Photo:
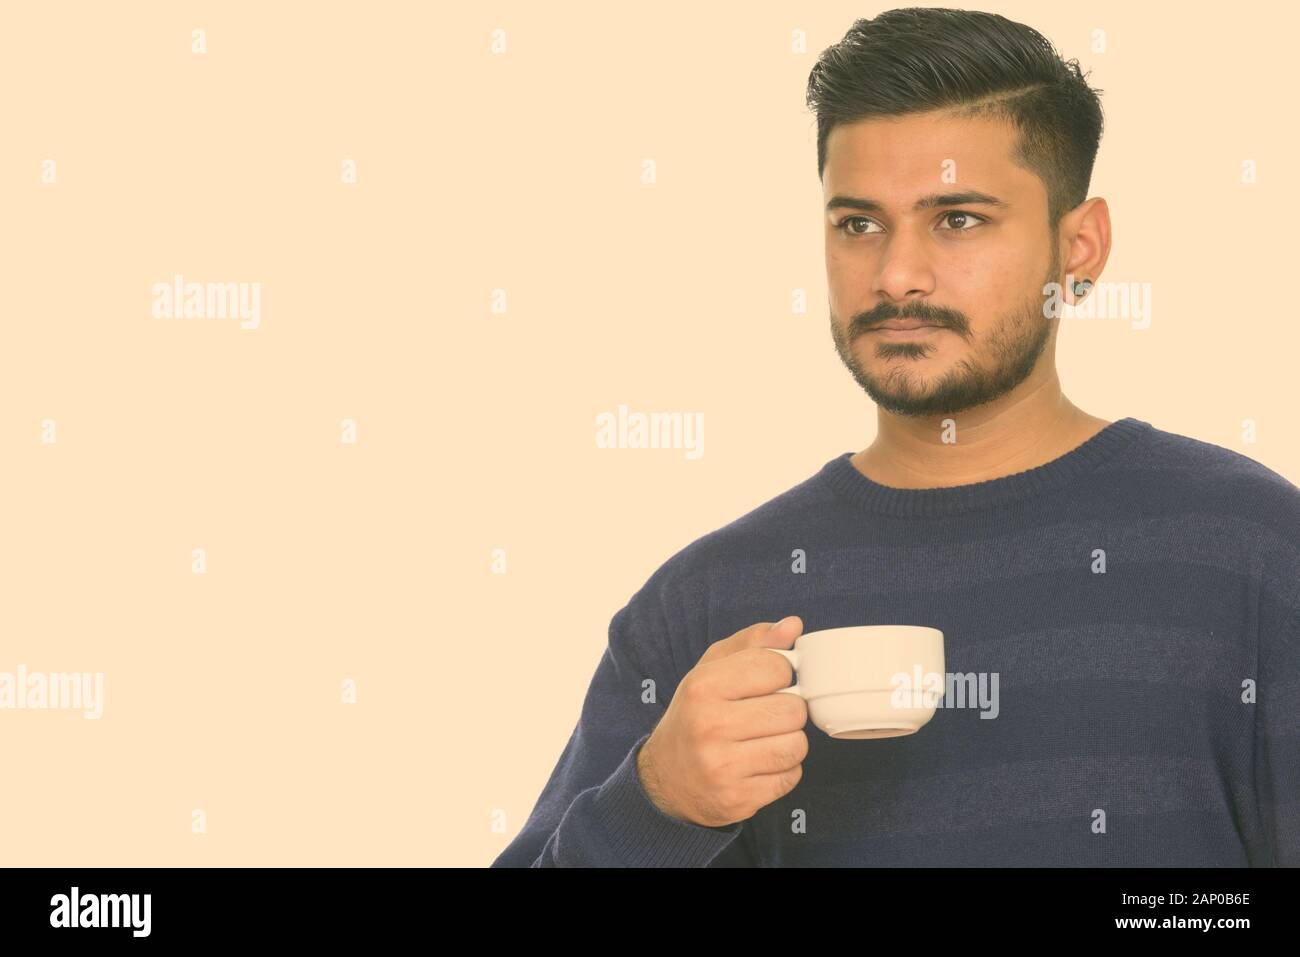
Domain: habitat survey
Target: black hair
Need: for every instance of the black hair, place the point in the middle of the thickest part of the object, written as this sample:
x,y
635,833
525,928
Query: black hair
x,y
917,59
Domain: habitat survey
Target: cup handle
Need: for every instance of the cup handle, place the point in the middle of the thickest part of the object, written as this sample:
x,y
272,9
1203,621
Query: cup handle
x,y
792,657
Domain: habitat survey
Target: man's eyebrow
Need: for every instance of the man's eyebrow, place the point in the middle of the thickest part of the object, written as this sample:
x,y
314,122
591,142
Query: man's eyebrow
x,y
968,198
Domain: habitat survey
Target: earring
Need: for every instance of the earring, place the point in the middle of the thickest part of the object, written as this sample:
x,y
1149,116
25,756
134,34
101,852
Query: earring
x,y
1082,286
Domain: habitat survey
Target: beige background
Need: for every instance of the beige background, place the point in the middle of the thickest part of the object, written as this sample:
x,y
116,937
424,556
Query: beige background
x,y
475,431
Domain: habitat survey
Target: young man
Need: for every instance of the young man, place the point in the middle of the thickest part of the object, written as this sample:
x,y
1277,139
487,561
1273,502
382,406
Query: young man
x,y
1126,600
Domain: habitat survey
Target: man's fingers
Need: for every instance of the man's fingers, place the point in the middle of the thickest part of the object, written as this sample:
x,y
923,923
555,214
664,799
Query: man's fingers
x,y
780,634
774,754
765,716
750,673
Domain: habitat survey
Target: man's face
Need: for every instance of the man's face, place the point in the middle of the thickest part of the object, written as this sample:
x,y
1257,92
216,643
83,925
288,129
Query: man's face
x,y
976,269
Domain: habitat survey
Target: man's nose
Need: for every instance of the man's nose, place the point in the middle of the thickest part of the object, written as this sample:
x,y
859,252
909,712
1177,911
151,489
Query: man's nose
x,y
904,270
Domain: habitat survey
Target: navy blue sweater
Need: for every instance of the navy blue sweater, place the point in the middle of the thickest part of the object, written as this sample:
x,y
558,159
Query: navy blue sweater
x,y
1138,600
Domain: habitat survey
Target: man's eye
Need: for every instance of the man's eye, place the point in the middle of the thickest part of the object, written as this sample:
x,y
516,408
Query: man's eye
x,y
843,225
976,220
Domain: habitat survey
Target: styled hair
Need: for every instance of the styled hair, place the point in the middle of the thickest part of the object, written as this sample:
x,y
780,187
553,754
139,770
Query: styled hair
x,y
970,63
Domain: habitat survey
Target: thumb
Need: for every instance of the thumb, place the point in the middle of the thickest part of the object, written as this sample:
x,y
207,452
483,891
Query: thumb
x,y
780,635
764,634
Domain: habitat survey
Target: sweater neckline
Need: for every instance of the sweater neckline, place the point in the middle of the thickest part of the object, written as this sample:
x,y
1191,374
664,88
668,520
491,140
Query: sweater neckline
x,y
844,478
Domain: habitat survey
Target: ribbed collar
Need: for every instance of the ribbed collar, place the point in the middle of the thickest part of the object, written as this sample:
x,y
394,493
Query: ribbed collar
x,y
841,475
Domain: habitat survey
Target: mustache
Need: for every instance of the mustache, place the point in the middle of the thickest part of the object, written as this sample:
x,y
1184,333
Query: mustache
x,y
922,311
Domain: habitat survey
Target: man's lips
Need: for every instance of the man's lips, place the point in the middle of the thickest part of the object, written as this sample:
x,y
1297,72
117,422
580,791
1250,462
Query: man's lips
x,y
904,324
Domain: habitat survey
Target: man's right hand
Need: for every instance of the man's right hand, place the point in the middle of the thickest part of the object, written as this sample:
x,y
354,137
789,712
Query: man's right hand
x,y
729,742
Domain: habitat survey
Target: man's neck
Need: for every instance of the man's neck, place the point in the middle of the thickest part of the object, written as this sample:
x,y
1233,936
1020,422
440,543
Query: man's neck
x,y
912,453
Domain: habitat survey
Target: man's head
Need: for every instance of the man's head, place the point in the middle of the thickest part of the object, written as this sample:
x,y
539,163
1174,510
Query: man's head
x,y
955,150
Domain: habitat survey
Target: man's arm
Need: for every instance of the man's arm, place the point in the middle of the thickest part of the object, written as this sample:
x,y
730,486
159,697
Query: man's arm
x,y
594,810
1277,743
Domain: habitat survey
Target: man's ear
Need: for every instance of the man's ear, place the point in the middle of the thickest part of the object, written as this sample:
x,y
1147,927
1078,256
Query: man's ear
x,y
1086,229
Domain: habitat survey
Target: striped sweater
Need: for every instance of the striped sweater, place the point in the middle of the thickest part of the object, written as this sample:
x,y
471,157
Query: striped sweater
x,y
1132,607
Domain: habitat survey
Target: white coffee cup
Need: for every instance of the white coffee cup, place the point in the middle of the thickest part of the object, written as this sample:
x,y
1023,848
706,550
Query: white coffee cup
x,y
868,681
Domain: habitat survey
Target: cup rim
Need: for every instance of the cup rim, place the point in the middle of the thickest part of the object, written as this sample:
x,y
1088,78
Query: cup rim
x,y
930,629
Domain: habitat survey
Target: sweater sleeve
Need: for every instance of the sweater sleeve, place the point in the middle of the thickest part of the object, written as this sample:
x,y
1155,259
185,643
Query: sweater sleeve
x,y
1277,743
594,811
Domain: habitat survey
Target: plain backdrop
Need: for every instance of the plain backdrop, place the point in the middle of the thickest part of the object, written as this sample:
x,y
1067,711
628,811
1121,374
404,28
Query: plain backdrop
x,y
482,178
